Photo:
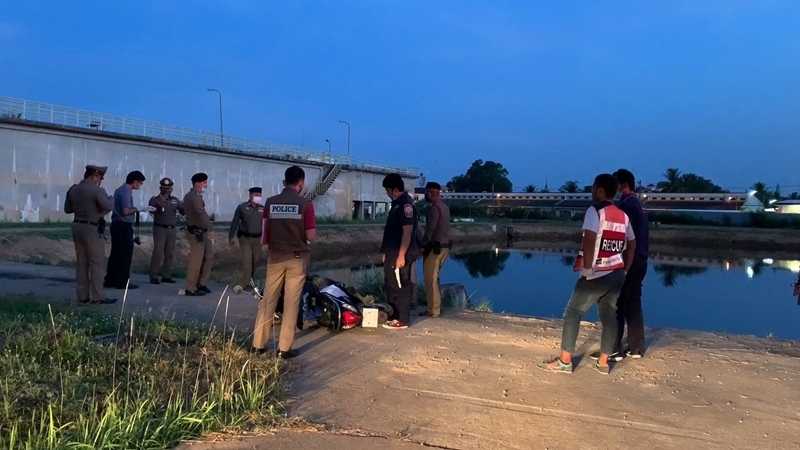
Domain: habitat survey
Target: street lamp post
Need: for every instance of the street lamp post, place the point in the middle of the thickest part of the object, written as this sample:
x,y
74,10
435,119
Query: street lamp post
x,y
329,146
348,135
221,133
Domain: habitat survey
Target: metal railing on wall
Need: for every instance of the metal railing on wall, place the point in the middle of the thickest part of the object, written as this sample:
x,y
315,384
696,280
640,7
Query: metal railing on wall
x,y
35,111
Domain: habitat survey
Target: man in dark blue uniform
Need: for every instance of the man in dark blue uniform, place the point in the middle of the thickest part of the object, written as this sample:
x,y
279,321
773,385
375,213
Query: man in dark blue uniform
x,y
400,249
629,305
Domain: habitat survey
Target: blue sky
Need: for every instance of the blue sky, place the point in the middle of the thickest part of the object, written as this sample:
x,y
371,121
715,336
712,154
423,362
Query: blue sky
x,y
553,90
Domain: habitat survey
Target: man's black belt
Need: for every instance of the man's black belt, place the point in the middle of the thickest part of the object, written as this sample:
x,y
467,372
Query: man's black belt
x,y
161,225
250,235
85,222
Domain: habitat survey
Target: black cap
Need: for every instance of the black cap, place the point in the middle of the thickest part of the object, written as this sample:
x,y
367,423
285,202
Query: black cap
x,y
254,190
433,185
199,177
166,182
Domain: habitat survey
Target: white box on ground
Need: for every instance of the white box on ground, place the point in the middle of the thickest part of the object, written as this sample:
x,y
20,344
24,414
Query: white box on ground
x,y
370,318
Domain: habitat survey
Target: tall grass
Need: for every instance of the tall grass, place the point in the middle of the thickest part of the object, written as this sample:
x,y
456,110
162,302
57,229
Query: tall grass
x,y
65,385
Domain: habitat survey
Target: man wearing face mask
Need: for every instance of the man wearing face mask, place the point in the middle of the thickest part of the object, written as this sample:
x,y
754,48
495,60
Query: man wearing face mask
x,y
246,229
165,209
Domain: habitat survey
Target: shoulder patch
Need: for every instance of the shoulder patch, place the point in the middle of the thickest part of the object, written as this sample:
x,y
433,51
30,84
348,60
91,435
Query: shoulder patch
x,y
408,210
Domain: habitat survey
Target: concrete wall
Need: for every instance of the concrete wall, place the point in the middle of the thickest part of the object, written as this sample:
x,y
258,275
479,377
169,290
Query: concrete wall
x,y
38,164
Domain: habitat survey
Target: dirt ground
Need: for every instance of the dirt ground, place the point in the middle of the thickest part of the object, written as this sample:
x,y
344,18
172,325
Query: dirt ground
x,y
469,381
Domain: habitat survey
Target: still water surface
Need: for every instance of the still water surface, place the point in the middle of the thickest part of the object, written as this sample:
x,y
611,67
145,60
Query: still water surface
x,y
735,296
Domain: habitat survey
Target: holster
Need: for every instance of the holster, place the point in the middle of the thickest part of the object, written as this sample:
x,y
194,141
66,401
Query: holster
x,y
101,227
198,232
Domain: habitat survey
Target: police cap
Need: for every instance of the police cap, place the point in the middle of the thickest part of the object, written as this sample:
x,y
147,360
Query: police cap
x,y
254,190
166,182
199,177
96,169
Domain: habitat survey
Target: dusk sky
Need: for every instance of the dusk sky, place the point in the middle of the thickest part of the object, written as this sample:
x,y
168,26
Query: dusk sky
x,y
553,90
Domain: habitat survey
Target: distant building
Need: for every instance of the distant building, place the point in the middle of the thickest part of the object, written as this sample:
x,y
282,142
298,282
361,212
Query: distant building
x,y
787,206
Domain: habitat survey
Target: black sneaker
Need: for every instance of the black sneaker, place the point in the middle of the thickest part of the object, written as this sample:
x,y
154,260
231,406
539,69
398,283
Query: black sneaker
x,y
616,356
168,280
288,354
155,281
259,351
197,293
204,289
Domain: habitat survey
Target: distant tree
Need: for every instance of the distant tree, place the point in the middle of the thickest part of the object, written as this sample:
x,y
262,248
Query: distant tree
x,y
675,181
765,195
530,189
761,192
570,187
587,189
482,176
673,176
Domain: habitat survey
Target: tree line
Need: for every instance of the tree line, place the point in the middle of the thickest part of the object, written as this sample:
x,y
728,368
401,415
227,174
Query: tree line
x,y
491,176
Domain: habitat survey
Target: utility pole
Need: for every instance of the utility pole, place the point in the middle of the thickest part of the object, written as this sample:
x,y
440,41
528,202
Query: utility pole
x,y
329,146
221,133
348,135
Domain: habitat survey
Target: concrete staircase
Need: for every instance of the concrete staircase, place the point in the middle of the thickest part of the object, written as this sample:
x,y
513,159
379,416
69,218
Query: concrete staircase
x,y
326,181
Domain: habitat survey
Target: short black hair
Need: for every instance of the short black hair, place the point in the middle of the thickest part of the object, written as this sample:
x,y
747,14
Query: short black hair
x,y
254,190
394,181
199,177
625,176
433,185
608,183
293,175
134,176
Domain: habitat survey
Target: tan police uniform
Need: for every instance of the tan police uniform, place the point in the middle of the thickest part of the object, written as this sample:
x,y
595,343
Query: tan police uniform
x,y
89,203
198,227
246,227
165,222
436,244
286,216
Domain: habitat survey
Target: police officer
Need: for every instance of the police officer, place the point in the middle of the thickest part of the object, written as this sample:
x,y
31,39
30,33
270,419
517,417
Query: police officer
x,y
246,228
436,245
289,228
123,216
89,203
198,226
400,249
165,209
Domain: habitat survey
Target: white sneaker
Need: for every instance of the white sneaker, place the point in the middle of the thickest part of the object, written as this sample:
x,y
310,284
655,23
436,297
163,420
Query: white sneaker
x,y
395,325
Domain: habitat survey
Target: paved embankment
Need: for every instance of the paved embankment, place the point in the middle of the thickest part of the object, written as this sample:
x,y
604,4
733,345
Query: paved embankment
x,y
469,381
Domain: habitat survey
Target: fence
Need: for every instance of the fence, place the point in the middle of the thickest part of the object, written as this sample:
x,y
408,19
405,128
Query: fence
x,y
34,111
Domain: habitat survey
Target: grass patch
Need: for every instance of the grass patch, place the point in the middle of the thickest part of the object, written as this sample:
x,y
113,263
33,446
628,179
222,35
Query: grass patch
x,y
90,381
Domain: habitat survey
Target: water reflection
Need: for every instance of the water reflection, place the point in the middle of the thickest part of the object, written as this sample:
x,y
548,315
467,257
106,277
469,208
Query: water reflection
x,y
486,264
670,273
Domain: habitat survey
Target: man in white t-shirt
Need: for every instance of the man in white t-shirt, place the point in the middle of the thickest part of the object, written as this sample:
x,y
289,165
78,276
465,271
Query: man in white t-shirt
x,y
608,247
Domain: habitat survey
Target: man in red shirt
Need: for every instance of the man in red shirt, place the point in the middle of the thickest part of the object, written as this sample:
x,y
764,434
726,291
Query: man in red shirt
x,y
289,227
